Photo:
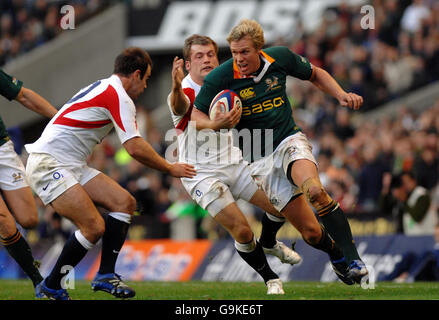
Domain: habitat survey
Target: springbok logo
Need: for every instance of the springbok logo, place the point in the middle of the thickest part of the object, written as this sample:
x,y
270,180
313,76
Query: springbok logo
x,y
272,83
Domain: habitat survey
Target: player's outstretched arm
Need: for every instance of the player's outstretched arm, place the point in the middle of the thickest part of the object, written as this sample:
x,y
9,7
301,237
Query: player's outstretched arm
x,y
143,152
178,100
33,101
325,82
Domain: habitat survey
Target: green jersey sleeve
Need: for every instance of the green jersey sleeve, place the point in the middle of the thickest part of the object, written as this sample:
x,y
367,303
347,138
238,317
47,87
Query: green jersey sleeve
x,y
294,64
9,86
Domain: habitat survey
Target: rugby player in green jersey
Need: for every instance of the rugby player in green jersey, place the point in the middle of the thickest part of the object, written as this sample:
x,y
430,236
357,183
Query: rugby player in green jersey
x,y
280,154
17,198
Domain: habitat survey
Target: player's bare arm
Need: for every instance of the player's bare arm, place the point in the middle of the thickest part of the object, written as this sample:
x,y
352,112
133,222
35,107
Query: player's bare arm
x,y
179,101
33,101
221,121
325,82
143,152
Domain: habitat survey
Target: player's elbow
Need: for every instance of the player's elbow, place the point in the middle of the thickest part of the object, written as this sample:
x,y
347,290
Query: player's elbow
x,y
133,147
179,110
22,95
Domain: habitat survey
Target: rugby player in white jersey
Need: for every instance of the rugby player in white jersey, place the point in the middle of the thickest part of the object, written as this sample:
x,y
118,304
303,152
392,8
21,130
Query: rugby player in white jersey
x,y
59,175
222,176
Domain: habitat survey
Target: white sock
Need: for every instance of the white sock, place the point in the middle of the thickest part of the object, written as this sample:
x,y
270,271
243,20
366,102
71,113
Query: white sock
x,y
82,240
121,216
246,247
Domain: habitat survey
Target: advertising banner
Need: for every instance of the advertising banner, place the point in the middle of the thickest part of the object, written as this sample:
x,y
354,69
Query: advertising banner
x,y
162,25
169,260
158,260
380,253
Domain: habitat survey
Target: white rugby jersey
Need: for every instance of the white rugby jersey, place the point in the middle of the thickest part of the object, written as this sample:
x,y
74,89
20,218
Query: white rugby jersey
x,y
201,147
86,119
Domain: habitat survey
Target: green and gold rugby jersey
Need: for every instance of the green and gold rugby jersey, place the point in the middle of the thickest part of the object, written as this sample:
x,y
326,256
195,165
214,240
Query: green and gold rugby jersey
x,y
9,88
264,99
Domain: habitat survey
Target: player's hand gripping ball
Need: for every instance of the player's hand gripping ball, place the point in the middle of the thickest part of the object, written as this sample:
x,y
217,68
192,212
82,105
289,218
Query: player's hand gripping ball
x,y
224,102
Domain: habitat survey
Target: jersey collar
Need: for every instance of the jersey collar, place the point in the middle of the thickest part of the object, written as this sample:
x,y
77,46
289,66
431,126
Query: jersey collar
x,y
267,62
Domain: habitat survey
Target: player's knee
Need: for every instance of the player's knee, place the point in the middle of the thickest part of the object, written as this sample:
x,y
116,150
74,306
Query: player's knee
x,y
243,234
94,230
130,204
125,203
317,195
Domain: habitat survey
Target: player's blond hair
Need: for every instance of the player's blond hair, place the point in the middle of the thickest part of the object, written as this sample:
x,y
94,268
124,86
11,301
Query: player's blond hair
x,y
247,27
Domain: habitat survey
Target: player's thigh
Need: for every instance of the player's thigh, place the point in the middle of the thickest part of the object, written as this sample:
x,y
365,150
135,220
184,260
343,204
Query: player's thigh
x,y
7,222
76,205
302,170
261,200
234,221
302,217
107,193
22,205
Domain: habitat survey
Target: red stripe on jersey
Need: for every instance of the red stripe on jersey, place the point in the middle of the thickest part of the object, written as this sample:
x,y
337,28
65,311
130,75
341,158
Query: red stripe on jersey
x,y
107,99
182,125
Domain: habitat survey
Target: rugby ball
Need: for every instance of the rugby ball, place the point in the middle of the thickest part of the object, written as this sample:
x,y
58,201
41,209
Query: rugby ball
x,y
225,101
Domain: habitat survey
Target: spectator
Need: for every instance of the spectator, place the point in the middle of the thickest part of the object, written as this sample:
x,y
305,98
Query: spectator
x,y
370,177
418,218
413,16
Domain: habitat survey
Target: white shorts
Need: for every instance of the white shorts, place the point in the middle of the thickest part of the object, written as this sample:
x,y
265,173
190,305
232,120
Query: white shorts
x,y
270,173
50,178
228,182
12,171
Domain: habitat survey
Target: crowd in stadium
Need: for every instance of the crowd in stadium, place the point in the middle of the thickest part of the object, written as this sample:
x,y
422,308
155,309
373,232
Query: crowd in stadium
x,y
399,55
25,25
381,64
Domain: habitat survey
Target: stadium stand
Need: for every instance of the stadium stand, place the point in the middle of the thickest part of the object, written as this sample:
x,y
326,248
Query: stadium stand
x,y
25,25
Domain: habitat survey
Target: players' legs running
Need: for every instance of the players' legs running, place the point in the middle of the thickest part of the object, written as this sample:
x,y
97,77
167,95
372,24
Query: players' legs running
x,y
107,193
271,223
14,242
234,221
75,205
301,216
304,174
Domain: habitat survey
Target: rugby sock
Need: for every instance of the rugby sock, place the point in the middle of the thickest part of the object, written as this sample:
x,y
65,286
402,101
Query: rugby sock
x,y
270,226
116,230
75,248
19,249
327,245
254,255
337,225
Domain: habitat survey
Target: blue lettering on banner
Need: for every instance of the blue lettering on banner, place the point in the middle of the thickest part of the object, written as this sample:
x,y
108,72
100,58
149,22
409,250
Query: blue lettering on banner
x,y
380,252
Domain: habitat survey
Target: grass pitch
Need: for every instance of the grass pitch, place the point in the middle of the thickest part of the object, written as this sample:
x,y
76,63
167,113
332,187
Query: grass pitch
x,y
197,290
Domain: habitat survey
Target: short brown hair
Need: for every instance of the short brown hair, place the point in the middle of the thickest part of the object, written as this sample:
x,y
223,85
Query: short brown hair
x,y
132,59
247,27
197,39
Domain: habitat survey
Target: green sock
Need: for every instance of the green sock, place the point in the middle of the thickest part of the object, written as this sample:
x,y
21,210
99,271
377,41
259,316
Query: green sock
x,y
19,249
337,225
